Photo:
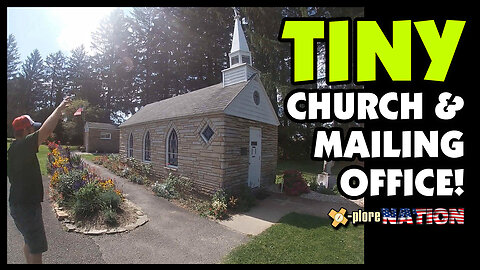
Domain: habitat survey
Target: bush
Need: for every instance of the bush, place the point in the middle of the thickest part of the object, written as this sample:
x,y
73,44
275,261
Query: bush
x,y
136,178
109,199
75,160
110,216
218,208
69,183
87,201
245,199
294,184
311,181
173,187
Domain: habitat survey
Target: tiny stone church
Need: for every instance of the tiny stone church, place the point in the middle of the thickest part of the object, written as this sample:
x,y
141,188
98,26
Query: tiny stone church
x,y
221,136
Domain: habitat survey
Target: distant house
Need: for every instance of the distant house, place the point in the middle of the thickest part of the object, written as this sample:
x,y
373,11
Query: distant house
x,y
101,137
221,136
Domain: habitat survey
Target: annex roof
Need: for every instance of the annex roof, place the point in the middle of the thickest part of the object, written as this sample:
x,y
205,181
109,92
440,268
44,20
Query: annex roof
x,y
99,125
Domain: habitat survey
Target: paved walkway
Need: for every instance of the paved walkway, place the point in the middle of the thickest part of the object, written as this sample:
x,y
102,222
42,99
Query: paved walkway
x,y
269,211
172,235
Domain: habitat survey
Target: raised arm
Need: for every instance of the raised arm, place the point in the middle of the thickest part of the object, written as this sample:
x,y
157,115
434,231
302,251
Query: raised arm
x,y
49,125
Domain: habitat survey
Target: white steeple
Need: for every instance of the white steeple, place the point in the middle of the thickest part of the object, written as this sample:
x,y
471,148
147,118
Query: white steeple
x,y
239,42
240,57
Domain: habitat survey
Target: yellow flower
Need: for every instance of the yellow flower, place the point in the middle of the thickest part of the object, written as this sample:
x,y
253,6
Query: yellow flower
x,y
55,178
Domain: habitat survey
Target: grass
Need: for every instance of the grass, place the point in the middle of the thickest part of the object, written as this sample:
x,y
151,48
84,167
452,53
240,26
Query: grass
x,y
305,239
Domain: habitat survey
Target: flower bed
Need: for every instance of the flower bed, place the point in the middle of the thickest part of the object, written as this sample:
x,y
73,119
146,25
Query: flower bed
x,y
89,199
180,190
128,168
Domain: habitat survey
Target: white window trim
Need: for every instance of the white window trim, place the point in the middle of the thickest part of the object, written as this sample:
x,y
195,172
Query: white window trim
x,y
103,137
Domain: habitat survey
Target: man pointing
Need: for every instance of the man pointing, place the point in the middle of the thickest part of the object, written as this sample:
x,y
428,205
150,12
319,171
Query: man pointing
x,y
26,190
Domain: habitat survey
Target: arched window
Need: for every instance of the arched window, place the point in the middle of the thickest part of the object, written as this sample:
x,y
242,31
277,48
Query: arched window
x,y
172,149
130,146
146,147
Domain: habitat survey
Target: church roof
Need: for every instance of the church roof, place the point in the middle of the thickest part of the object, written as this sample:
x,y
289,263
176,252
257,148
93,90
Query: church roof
x,y
210,99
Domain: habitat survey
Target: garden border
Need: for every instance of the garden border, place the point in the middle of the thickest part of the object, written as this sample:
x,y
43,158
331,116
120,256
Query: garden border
x,y
69,225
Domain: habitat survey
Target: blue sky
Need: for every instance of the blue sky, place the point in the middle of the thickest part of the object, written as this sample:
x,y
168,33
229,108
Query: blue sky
x,y
52,29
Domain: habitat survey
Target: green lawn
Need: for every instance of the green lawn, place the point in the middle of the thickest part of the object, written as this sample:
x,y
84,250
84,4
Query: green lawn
x,y
302,238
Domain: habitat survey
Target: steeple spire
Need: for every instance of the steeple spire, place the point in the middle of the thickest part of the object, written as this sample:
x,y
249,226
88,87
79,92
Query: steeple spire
x,y
239,53
240,57
239,42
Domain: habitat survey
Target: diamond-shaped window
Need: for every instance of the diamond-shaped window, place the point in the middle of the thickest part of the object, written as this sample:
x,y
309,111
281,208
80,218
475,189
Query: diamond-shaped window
x,y
207,133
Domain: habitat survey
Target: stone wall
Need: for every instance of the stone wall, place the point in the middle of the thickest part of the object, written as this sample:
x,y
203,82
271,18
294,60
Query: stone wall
x,y
237,136
213,165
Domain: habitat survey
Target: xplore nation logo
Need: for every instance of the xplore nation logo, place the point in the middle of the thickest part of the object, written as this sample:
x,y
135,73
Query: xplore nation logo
x,y
392,216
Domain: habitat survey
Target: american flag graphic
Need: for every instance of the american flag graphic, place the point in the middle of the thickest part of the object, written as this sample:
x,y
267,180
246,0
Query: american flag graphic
x,y
389,215
404,216
423,216
456,215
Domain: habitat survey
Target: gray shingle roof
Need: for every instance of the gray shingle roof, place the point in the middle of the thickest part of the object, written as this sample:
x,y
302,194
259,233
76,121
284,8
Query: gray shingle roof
x,y
210,99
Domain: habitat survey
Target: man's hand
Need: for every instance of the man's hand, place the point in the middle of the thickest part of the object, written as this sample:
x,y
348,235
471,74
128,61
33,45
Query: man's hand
x,y
65,103
47,128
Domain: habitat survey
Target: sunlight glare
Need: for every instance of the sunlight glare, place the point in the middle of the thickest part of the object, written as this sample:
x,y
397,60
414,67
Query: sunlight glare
x,y
77,24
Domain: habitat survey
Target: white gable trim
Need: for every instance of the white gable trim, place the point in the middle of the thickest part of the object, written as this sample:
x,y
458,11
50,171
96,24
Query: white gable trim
x,y
243,104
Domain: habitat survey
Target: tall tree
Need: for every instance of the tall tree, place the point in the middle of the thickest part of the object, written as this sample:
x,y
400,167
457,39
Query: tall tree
x,y
113,64
12,57
203,40
149,41
33,72
56,77
81,80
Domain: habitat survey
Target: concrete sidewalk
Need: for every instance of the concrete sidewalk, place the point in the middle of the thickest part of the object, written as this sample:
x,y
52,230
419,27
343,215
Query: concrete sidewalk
x,y
269,211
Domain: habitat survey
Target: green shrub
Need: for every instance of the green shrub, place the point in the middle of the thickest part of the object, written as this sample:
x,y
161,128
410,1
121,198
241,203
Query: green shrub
x,y
75,160
173,187
109,199
110,216
245,198
87,201
311,181
69,183
218,207
136,178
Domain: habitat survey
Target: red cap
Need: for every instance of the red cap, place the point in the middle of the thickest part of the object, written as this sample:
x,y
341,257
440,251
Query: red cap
x,y
23,122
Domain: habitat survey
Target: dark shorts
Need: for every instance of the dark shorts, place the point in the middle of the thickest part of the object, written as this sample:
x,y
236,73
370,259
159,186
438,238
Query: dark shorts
x,y
29,221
